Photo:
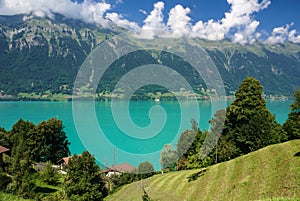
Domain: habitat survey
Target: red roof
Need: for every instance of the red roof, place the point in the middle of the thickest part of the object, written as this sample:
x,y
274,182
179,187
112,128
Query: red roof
x,y
124,167
66,159
3,149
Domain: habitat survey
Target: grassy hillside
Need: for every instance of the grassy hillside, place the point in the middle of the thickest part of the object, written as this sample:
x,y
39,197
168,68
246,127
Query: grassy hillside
x,y
272,173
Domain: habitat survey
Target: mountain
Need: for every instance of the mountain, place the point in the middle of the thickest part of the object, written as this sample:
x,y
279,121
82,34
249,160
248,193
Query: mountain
x,y
271,173
42,56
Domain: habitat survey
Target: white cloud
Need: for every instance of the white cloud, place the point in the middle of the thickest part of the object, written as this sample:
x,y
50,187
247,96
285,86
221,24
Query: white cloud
x,y
294,36
238,24
119,20
179,22
143,11
282,34
88,11
154,22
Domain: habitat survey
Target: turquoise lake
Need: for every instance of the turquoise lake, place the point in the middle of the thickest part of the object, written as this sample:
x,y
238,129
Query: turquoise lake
x,y
112,138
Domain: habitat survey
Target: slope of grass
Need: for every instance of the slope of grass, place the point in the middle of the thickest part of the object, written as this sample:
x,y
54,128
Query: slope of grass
x,y
272,173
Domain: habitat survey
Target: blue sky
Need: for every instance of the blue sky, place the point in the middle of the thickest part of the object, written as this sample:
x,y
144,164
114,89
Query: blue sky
x,y
242,21
278,13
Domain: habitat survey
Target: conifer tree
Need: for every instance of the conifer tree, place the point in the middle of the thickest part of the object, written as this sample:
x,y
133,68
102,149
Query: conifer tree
x,y
248,121
292,125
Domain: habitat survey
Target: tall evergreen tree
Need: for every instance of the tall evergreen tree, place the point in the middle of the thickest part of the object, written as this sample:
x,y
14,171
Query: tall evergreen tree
x,y
84,181
248,121
292,125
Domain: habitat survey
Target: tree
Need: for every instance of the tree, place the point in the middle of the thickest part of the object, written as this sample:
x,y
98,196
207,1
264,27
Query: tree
x,y
4,138
84,181
48,142
20,132
292,124
145,169
21,168
186,139
49,175
216,129
188,147
249,122
193,159
168,157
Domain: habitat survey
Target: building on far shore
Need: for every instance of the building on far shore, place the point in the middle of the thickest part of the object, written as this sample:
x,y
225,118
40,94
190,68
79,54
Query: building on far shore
x,y
2,151
119,169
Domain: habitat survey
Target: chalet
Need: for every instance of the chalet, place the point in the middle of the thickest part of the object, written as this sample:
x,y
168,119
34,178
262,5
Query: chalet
x,y
63,163
2,151
119,169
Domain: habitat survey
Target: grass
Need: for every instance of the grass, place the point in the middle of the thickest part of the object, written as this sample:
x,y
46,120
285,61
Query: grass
x,y
271,173
42,188
9,197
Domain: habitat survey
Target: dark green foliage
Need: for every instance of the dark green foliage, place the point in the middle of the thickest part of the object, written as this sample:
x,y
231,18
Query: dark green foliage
x,y
226,148
292,124
48,142
188,148
30,143
196,175
184,144
49,175
84,181
4,181
248,121
20,132
118,180
4,138
27,188
186,139
20,169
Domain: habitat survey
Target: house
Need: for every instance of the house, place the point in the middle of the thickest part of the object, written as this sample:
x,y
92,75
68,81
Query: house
x,y
63,163
119,169
2,151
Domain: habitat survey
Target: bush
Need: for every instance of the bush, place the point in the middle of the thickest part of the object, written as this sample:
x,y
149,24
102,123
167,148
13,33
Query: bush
x,y
4,181
49,175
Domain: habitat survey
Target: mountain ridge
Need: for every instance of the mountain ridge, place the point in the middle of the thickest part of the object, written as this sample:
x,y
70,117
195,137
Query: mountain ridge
x,y
42,56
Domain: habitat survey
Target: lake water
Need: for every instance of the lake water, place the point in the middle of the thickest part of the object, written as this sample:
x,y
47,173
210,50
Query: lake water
x,y
114,139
